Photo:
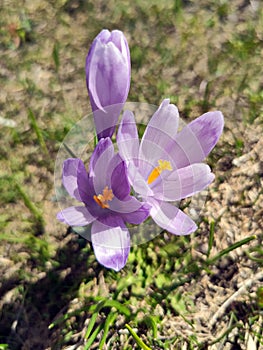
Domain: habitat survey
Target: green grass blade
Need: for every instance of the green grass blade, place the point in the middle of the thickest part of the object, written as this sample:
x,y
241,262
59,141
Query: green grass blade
x,y
105,303
93,337
109,321
93,318
229,249
69,150
68,315
55,55
211,238
12,239
91,324
95,141
4,346
138,340
30,205
121,308
150,321
38,132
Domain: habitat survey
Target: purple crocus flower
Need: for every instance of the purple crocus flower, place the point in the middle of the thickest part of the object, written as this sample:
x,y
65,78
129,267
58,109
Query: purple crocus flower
x,y
166,166
108,74
108,205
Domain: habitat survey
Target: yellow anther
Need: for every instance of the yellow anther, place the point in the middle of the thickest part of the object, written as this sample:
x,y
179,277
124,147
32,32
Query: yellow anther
x,y
103,199
163,165
107,194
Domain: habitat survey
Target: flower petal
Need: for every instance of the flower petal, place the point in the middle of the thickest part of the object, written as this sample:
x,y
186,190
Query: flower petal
x,y
197,139
104,145
159,132
103,36
99,163
111,243
129,205
108,75
119,41
127,138
106,120
138,216
138,182
184,182
72,167
75,216
119,181
171,218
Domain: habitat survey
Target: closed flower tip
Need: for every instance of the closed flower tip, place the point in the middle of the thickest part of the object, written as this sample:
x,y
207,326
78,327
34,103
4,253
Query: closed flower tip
x,y
108,74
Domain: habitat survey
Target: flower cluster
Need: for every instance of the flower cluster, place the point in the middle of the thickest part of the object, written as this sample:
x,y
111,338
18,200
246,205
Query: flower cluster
x,y
165,166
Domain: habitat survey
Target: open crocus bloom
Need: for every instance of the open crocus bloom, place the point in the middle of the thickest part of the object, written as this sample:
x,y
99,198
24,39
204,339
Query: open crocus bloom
x,y
108,205
108,75
166,166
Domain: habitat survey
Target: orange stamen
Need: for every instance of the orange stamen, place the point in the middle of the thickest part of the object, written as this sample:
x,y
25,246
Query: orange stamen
x,y
163,165
153,176
103,199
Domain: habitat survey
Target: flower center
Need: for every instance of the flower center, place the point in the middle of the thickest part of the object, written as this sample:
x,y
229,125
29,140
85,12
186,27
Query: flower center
x,y
103,199
163,165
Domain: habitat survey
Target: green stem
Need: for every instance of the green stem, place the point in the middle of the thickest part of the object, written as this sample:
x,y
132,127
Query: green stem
x,y
38,131
229,249
136,338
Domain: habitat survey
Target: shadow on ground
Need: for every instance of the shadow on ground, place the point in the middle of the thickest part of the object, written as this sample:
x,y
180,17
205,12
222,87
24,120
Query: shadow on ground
x,y
24,321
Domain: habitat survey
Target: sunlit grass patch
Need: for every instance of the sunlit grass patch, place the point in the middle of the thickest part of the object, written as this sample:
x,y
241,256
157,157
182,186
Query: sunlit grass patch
x,y
120,299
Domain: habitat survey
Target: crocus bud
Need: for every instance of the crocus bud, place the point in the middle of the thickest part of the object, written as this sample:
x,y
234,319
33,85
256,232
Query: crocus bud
x,y
108,73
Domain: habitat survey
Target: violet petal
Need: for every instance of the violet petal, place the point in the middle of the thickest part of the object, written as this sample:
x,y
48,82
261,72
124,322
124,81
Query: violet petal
x,y
127,138
111,243
184,182
75,216
71,168
172,219
108,72
197,139
138,216
129,205
159,132
138,182
119,180
100,160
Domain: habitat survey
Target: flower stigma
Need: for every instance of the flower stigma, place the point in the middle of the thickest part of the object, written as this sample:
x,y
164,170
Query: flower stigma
x,y
163,165
103,199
